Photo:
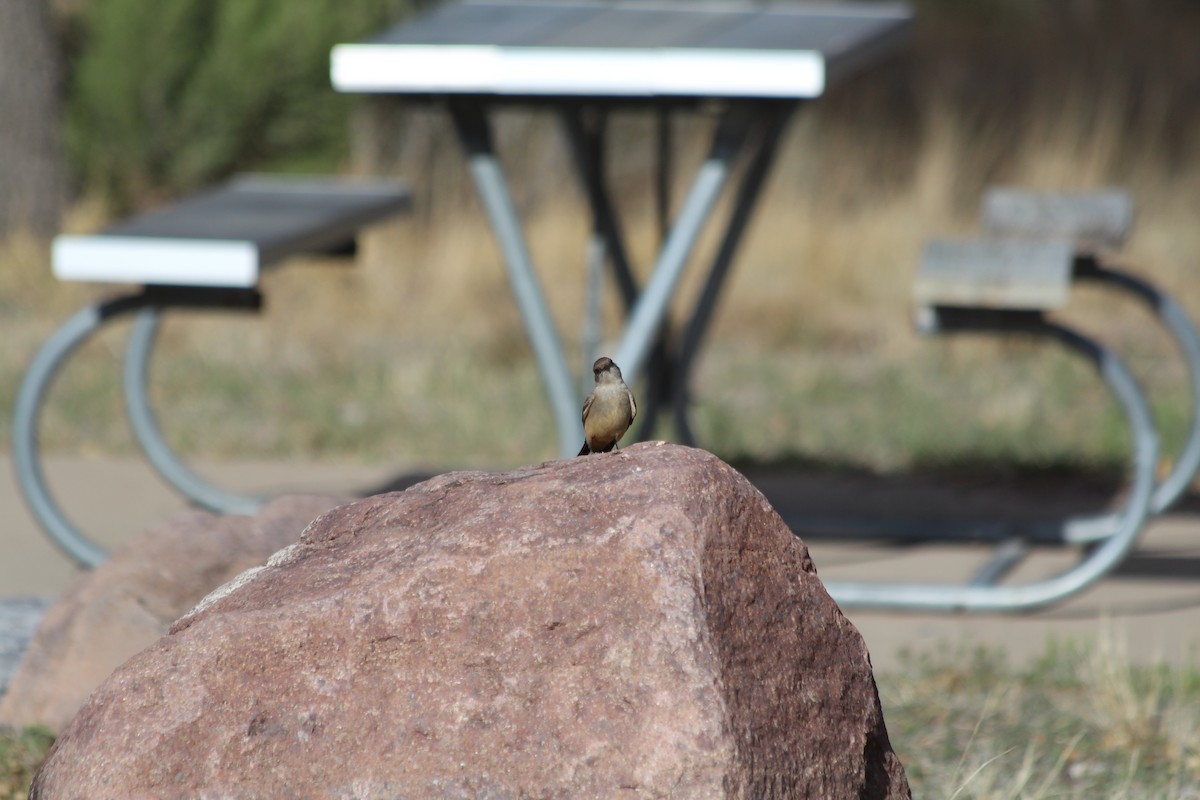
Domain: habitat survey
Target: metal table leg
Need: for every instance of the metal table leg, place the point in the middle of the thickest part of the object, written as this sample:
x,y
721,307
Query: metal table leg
x,y
648,312
149,437
1103,555
585,129
475,135
45,366
651,308
30,397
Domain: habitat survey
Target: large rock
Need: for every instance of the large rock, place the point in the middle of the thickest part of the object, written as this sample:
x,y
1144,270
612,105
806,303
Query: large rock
x,y
107,615
635,624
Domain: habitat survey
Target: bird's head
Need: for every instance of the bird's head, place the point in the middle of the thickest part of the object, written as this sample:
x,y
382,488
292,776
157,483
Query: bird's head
x,y
605,370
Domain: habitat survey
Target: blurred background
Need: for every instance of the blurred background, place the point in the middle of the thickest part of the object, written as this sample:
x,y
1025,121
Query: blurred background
x,y
112,106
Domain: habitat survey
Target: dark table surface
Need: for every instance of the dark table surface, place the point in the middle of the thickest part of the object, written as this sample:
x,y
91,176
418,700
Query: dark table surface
x,y
623,49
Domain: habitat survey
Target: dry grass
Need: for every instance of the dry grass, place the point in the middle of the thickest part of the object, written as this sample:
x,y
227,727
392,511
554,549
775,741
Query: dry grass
x,y
812,340
1081,722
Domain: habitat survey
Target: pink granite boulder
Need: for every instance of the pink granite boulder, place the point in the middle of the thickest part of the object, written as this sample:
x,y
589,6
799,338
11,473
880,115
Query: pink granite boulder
x,y
636,624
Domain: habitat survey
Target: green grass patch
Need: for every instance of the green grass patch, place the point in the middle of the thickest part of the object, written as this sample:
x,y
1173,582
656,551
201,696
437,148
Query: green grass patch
x,y
455,404
929,409
20,754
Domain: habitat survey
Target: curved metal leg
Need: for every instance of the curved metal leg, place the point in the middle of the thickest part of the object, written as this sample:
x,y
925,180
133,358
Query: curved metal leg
x,y
42,370
150,438
1105,555
1181,329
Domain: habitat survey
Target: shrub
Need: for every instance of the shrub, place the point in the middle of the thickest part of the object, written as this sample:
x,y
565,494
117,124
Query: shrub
x,y
168,96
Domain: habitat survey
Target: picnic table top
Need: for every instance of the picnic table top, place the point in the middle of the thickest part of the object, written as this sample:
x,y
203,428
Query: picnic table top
x,y
623,50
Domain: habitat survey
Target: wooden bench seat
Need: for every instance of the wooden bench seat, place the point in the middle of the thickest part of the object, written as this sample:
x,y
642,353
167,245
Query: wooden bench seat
x,y
995,273
226,236
1092,221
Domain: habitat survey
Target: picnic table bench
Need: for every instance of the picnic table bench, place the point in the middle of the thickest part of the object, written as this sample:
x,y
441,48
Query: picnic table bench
x,y
206,251
1097,224
1036,245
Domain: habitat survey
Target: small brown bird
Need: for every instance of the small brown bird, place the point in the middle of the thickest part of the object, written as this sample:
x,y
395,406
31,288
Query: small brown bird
x,y
608,411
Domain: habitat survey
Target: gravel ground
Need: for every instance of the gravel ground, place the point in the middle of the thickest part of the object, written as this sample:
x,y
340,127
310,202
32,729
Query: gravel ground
x,y
19,618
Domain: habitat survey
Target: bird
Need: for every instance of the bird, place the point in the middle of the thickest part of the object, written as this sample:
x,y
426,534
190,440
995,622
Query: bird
x,y
608,411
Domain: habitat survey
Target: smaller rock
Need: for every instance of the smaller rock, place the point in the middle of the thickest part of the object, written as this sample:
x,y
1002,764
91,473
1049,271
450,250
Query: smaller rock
x,y
128,602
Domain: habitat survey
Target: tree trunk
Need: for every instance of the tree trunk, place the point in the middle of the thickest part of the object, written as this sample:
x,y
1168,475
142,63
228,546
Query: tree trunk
x,y
32,173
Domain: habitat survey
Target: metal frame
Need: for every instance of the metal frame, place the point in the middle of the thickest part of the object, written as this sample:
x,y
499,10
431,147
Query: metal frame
x,y
1105,539
53,355
668,370
1179,326
753,127
145,428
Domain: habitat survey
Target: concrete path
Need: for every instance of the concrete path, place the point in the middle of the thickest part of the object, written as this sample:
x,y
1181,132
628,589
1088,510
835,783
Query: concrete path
x,y
1151,606
112,499
1148,609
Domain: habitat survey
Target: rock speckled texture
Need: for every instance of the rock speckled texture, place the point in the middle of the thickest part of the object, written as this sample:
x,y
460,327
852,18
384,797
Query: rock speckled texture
x,y
128,602
636,624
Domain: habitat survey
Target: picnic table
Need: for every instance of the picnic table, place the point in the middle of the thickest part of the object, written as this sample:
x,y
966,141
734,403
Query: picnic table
x,y
755,64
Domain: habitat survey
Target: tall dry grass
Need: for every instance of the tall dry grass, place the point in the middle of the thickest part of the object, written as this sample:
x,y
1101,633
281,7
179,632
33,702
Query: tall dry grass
x,y
1081,721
